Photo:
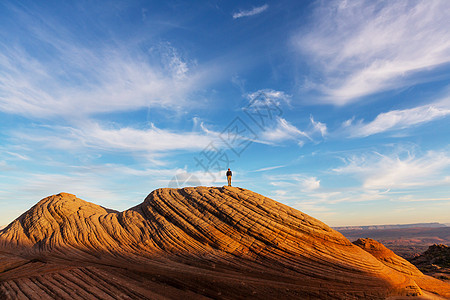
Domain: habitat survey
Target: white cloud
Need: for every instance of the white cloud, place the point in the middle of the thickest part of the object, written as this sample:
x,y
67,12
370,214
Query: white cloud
x,y
251,12
294,183
151,140
171,60
318,127
118,83
17,155
398,119
365,47
282,131
298,191
268,97
268,168
81,79
310,184
398,177
124,139
398,170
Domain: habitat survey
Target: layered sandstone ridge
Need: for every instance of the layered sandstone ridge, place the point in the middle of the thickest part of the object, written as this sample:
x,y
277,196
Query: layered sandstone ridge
x,y
392,260
209,242
387,256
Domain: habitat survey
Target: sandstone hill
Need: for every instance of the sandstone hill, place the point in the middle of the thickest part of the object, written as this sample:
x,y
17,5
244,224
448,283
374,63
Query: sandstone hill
x,y
400,264
195,243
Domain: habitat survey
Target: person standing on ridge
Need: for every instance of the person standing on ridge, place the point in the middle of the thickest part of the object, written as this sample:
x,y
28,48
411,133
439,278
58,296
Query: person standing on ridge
x,y
229,174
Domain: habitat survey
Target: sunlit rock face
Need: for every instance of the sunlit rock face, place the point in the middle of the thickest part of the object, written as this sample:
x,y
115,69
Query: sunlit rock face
x,y
401,265
197,242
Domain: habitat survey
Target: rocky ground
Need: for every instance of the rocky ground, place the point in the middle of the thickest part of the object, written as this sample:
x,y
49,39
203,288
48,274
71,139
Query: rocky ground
x,y
435,262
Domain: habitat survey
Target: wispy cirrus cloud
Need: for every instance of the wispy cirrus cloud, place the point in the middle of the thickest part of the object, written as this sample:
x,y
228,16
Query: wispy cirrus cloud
x,y
282,130
364,47
69,76
398,119
299,190
295,182
251,12
92,135
318,127
269,168
402,170
268,97
114,81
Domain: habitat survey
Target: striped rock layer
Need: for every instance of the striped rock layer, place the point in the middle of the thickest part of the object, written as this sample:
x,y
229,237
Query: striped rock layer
x,y
202,242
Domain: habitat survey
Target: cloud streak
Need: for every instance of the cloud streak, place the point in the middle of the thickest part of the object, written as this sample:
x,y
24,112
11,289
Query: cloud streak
x,y
365,47
283,130
295,183
124,139
397,120
268,97
251,12
269,168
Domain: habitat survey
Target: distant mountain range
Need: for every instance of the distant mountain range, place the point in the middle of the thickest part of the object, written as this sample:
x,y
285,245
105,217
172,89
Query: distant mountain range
x,y
408,241
396,226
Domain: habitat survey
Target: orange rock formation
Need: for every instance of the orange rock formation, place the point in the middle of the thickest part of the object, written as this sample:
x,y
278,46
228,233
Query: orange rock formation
x,y
396,262
197,243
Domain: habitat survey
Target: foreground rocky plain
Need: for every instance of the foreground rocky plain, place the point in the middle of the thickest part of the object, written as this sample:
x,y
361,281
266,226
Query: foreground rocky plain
x,y
196,243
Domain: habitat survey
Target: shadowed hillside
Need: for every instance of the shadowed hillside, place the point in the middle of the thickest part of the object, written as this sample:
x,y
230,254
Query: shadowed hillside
x,y
195,243
435,262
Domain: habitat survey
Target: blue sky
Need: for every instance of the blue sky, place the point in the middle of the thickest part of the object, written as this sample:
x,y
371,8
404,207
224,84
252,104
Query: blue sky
x,y
340,109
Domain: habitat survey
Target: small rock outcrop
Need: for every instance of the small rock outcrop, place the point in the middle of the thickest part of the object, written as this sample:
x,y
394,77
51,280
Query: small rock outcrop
x,y
436,257
390,259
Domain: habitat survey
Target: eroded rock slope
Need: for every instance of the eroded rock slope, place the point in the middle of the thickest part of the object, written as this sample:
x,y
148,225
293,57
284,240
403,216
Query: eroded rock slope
x,y
193,242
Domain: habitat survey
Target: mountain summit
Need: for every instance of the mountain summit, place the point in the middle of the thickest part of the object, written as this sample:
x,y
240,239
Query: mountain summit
x,y
193,242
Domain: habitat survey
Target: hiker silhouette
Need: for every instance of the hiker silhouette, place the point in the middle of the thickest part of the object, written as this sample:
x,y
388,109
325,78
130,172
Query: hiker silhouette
x,y
229,174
